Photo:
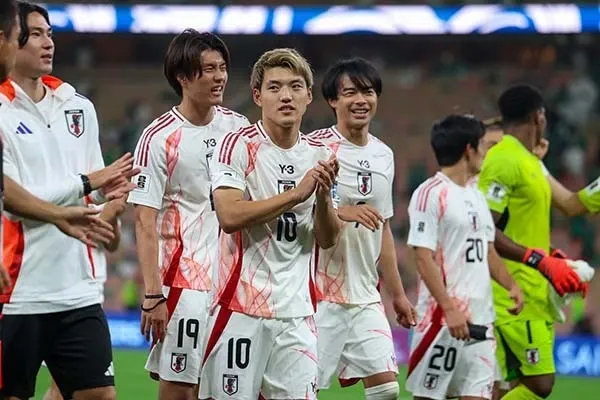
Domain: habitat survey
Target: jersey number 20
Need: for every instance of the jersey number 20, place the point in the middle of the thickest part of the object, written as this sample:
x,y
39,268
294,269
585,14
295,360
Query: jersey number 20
x,y
475,250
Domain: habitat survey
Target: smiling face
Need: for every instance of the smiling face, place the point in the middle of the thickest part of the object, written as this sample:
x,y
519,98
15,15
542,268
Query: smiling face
x,y
209,85
283,96
354,107
35,58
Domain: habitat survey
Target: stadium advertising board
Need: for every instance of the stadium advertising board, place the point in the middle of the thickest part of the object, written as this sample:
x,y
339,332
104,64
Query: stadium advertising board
x,y
323,20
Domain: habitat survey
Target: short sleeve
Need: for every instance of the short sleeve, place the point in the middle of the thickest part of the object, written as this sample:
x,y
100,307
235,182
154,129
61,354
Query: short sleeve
x,y
497,181
229,162
489,226
150,156
423,215
388,205
590,196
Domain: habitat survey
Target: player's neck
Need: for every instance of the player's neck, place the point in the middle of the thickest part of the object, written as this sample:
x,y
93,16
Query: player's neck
x,y
284,137
357,136
196,114
523,135
457,173
33,87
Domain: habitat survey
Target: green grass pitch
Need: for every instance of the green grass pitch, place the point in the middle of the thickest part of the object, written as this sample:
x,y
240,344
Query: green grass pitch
x,y
133,383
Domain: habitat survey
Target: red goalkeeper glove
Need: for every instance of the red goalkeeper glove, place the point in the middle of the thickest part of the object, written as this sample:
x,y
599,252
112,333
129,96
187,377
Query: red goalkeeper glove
x,y
563,278
558,253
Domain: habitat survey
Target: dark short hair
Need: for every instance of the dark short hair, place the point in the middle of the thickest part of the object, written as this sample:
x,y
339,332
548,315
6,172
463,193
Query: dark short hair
x,y
183,55
451,136
518,102
24,10
8,12
360,71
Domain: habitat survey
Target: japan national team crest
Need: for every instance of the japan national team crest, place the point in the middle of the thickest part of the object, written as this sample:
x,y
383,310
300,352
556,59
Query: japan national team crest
x,y
285,185
431,381
474,220
533,356
75,122
365,182
178,362
230,384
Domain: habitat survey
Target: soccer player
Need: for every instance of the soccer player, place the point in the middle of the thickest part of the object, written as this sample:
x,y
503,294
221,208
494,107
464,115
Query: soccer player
x,y
452,231
110,212
272,191
176,225
75,221
52,311
519,196
355,339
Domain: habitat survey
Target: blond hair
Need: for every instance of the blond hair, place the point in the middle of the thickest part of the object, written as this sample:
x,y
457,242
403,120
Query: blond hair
x,y
284,58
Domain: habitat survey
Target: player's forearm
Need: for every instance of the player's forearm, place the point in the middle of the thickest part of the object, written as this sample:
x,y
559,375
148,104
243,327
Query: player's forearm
x,y
113,245
565,200
236,215
147,248
327,225
62,193
498,270
20,202
110,214
431,276
388,263
507,248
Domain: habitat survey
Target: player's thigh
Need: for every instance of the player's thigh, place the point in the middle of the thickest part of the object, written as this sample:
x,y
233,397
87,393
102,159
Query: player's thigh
x,y
332,327
528,344
23,339
291,372
475,371
80,358
178,357
369,349
236,353
432,362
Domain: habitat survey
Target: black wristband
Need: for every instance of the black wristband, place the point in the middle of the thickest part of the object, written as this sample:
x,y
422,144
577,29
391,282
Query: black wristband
x,y
87,186
153,296
534,259
158,303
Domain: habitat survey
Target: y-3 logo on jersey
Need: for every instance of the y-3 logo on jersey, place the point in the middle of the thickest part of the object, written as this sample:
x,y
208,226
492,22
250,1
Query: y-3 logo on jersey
x,y
212,142
364,164
286,168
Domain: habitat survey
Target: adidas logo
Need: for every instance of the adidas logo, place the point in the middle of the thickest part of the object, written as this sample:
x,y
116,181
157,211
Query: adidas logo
x,y
110,371
23,129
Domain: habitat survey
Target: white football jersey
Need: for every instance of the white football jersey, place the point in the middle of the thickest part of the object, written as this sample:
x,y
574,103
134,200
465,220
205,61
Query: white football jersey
x,y
266,270
347,272
456,223
174,156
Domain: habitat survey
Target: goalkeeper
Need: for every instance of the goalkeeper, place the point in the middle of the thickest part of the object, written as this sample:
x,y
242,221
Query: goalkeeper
x,y
519,196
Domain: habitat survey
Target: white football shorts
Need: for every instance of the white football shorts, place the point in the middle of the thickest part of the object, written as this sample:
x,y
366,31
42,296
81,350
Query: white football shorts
x,y
354,342
178,358
248,356
441,366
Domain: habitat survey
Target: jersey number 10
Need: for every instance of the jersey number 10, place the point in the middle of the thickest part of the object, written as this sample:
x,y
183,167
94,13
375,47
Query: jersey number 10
x,y
287,225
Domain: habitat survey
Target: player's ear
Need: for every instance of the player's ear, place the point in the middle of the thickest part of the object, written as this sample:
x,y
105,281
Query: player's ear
x,y
182,81
332,103
310,96
256,97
